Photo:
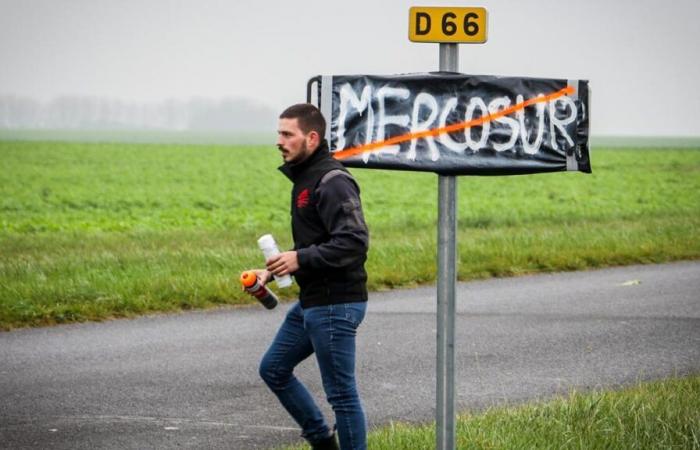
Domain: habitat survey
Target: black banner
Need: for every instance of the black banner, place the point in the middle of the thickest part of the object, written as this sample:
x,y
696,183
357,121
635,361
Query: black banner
x,y
457,124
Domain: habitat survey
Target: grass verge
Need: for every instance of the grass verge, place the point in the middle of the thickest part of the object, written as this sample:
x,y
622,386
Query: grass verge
x,y
658,415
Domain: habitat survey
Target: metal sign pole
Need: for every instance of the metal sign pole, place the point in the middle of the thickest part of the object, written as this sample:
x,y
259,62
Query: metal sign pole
x,y
447,279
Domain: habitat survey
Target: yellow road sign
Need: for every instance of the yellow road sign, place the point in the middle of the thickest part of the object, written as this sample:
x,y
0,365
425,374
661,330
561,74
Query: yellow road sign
x,y
447,24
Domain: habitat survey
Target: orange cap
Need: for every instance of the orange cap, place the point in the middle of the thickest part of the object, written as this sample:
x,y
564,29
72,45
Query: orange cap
x,y
248,278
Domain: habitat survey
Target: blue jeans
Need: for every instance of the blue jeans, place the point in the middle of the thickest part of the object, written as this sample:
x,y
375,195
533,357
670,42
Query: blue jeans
x,y
329,331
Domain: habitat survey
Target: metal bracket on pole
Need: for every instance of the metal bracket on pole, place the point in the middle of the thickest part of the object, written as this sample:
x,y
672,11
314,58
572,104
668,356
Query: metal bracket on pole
x,y
309,89
447,280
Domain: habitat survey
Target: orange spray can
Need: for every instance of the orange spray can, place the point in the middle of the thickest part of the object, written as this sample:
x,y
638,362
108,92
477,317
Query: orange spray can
x,y
251,284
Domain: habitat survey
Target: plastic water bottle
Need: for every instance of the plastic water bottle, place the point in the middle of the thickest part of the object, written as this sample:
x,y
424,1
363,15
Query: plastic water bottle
x,y
269,248
262,293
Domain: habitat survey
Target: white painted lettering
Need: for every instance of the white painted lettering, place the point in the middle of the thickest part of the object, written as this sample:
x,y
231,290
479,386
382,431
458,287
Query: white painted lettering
x,y
347,95
485,127
531,148
428,101
561,124
496,105
444,138
384,120
524,128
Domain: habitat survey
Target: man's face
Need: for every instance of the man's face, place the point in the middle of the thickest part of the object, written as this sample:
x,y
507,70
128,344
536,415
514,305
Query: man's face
x,y
293,143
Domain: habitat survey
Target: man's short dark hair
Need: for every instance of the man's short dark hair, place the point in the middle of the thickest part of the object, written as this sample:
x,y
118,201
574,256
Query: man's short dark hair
x,y
308,116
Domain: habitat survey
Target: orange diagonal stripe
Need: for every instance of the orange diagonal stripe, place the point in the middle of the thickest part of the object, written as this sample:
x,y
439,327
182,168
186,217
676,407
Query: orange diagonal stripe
x,y
372,146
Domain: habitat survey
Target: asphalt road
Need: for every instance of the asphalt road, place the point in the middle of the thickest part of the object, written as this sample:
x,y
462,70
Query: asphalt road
x,y
190,380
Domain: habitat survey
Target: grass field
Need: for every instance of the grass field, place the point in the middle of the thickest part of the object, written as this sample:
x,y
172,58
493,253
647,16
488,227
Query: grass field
x,y
91,231
659,415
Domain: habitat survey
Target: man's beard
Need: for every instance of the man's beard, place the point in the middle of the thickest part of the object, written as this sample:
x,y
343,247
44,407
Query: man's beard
x,y
300,157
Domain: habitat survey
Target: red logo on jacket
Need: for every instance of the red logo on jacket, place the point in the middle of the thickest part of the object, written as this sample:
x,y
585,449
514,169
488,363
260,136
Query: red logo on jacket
x,y
303,199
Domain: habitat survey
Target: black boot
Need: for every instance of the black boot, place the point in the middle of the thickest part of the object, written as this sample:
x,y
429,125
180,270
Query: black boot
x,y
328,443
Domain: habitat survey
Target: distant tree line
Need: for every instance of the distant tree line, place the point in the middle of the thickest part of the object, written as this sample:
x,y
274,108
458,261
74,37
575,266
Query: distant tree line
x,y
96,113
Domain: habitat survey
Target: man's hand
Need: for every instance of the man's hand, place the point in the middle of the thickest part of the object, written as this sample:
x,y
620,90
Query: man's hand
x,y
263,275
283,264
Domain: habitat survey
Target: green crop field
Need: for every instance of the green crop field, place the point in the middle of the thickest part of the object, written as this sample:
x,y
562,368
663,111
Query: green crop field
x,y
91,231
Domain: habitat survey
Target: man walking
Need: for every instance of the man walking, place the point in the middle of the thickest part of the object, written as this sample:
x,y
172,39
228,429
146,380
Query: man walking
x,y
330,248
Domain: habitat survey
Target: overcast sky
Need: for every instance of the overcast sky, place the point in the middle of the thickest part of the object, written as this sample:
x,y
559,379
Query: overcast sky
x,y
640,56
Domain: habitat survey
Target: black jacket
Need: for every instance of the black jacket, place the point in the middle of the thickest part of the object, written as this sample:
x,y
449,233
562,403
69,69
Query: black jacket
x,y
329,230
